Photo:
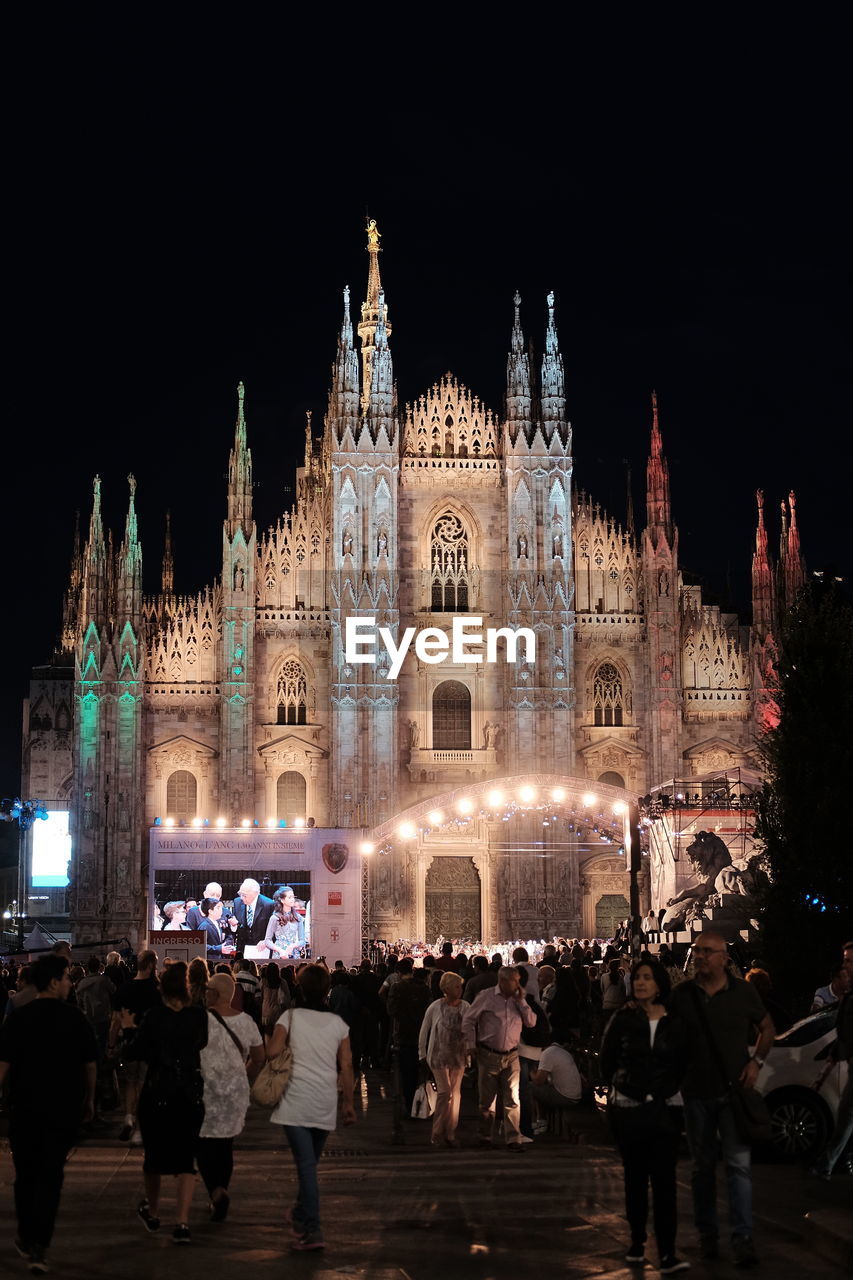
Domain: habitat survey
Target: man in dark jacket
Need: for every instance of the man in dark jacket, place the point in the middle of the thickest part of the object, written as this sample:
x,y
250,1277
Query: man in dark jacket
x,y
252,911
732,1012
408,1001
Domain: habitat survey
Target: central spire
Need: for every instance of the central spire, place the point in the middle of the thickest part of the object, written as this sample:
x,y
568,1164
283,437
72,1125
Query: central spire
x,y
374,315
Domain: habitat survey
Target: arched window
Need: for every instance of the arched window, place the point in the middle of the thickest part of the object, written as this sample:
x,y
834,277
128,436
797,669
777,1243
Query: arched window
x,y
292,694
451,717
181,795
449,561
607,696
290,796
612,779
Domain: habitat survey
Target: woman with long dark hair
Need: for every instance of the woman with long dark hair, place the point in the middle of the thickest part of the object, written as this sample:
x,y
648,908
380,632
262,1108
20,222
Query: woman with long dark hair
x,y
286,930
644,1059
169,1039
308,1110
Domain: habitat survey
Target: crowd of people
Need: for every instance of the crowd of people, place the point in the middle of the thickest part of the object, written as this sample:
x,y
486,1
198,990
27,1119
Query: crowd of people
x,y
532,1028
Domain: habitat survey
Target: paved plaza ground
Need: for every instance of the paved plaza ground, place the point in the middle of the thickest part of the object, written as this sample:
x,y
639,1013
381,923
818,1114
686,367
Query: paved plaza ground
x,y
412,1212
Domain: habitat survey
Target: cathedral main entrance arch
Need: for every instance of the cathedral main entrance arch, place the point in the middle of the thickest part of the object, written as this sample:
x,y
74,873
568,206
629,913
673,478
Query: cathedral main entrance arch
x,y
452,898
506,855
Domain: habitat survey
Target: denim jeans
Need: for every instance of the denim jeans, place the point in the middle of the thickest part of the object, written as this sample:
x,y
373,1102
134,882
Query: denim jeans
x,y
711,1127
307,1147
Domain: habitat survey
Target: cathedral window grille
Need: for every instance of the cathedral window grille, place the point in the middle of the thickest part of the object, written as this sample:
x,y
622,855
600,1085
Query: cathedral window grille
x,y
449,561
292,695
451,717
607,695
181,795
291,802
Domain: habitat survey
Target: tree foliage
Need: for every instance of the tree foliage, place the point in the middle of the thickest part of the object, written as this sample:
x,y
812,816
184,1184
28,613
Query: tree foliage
x,y
805,816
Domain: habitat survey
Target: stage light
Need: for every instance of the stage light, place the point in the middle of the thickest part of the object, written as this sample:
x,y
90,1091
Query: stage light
x,y
589,800
620,807
220,822
247,822
435,817
465,805
366,848
527,795
299,823
170,822
558,794
198,822
158,822
407,831
495,799
271,822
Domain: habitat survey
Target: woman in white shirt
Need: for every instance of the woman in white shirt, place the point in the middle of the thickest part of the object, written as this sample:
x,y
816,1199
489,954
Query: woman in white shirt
x,y
322,1059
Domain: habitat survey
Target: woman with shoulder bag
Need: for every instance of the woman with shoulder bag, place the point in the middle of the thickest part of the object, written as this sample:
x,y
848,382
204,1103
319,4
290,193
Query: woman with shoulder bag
x,y
319,1041
169,1039
644,1059
234,1054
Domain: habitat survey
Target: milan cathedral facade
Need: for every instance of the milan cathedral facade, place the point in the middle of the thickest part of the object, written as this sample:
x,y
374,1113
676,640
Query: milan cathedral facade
x,y
239,701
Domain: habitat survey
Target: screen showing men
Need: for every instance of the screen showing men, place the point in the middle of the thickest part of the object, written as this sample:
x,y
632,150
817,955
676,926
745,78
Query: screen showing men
x,y
260,916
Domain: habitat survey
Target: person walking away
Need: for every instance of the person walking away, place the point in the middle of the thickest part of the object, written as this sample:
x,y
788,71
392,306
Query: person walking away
x,y
841,1050
733,1010
308,1110
441,1045
232,1057
169,1040
492,1027
48,1053
137,996
408,1001
644,1059
275,997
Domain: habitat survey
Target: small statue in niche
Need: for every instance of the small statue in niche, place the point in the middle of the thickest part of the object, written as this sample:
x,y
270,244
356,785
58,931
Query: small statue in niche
x,y
492,732
663,583
382,543
522,545
239,578
414,734
558,544
346,545
448,443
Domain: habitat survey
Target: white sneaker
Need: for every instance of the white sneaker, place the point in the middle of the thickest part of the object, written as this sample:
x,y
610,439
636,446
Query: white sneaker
x,y
136,1138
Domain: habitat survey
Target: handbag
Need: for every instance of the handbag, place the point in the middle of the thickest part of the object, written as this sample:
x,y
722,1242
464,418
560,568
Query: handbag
x,y
272,1080
423,1104
750,1111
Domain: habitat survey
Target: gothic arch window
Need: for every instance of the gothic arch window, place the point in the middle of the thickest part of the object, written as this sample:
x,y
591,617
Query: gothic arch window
x,y
181,795
612,779
292,694
449,565
291,796
451,717
607,695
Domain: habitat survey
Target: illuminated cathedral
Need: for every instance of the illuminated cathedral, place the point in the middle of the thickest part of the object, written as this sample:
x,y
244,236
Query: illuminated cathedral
x,y
237,704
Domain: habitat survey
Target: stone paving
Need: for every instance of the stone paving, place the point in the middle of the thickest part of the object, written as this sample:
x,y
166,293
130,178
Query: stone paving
x,y
411,1212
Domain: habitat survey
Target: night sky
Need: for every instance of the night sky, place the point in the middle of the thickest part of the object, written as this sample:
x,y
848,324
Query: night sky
x,y
184,218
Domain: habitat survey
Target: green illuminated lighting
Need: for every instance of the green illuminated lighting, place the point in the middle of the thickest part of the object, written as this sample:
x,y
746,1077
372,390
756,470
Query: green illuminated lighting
x,y
238,671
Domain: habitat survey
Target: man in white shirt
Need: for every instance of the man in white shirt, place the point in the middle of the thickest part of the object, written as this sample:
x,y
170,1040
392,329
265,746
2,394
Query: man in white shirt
x,y
557,1082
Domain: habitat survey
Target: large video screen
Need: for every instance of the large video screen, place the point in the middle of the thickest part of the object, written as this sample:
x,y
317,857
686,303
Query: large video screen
x,y
51,851
280,927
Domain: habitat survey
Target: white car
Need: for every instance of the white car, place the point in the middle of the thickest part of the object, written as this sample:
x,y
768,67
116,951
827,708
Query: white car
x,y
801,1116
